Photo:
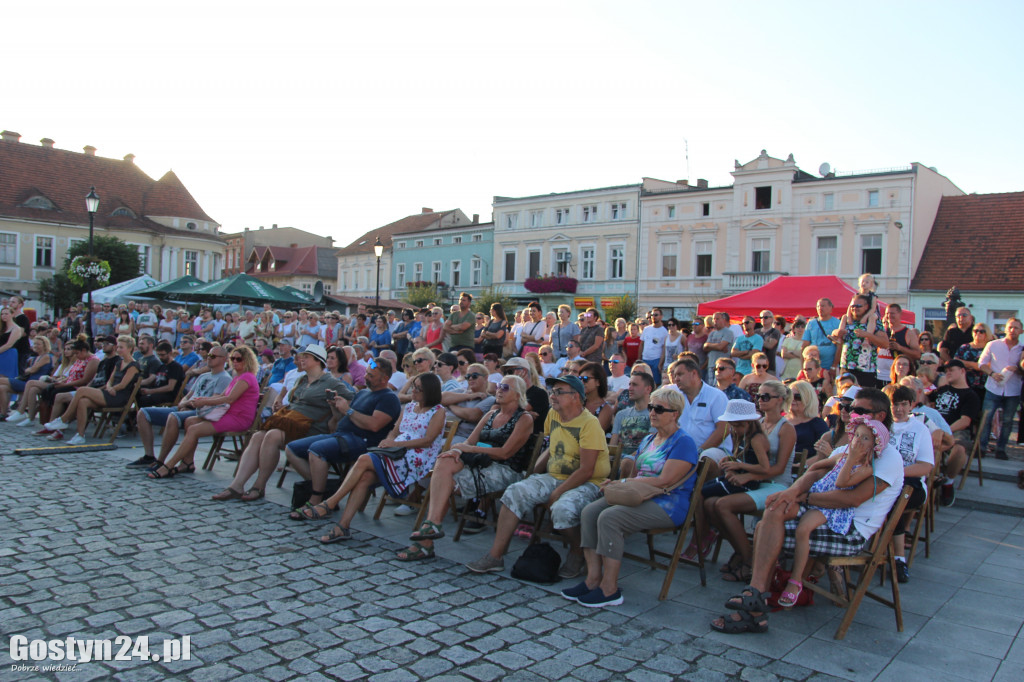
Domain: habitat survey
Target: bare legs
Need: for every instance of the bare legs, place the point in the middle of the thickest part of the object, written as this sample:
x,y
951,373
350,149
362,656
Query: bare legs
x,y
723,513
357,486
195,428
442,484
262,454
602,572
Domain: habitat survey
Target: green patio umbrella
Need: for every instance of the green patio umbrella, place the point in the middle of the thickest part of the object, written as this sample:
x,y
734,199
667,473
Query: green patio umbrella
x,y
241,288
175,286
300,295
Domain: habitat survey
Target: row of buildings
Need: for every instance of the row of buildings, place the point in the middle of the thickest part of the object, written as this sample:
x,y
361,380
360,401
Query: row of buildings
x,y
664,243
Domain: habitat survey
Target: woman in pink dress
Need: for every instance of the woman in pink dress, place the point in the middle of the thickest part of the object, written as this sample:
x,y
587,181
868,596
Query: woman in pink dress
x,y
241,398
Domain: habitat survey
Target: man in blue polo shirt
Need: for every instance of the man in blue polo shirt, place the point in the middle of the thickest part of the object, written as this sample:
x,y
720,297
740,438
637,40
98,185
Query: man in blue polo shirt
x,y
283,364
817,334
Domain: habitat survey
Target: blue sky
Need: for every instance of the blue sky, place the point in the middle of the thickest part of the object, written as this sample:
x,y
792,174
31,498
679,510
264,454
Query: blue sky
x,y
338,117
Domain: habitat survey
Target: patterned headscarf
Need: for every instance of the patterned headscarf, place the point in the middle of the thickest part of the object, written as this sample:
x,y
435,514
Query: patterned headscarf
x,y
877,427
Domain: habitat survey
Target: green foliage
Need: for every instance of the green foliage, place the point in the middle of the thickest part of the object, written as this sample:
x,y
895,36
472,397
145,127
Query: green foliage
x,y
420,296
482,302
624,308
60,293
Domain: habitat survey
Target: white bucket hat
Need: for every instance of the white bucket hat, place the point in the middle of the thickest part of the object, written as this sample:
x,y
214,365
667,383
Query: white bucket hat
x,y
317,351
739,410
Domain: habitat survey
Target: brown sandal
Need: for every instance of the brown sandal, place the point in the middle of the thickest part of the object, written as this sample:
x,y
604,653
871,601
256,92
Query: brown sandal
x,y
252,495
227,494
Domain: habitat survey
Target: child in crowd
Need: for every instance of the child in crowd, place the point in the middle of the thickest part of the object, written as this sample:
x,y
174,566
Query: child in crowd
x,y
867,440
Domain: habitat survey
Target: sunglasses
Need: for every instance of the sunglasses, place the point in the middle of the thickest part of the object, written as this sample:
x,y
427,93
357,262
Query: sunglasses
x,y
462,363
760,366
722,369
797,398
927,362
561,392
616,362
503,387
372,364
860,410
236,358
765,397
659,409
474,375
419,360
980,331
584,378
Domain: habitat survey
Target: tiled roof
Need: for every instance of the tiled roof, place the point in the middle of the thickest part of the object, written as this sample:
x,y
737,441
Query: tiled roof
x,y
306,260
413,223
64,177
976,244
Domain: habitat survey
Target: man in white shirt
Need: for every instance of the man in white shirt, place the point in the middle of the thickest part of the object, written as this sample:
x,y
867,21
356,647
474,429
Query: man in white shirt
x,y
704,405
619,380
397,379
1001,362
652,345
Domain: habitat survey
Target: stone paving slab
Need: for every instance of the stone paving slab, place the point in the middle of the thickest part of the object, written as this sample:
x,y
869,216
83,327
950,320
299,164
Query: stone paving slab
x,y
91,549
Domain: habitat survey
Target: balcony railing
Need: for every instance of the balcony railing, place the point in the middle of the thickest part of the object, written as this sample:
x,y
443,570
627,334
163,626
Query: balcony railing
x,y
744,281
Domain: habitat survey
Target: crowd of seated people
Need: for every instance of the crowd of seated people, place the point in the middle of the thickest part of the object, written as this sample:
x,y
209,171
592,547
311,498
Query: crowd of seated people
x,y
786,415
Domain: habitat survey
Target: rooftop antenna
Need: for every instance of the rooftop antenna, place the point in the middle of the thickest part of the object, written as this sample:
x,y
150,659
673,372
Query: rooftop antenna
x,y
687,144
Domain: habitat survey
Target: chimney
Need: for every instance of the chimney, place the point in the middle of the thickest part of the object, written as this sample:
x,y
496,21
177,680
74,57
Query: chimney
x,y
261,227
274,226
426,210
702,183
130,158
89,150
293,246
684,183
46,142
10,136
476,218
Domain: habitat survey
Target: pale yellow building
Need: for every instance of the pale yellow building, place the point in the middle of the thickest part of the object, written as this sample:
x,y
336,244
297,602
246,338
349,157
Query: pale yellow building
x,y
43,212
699,243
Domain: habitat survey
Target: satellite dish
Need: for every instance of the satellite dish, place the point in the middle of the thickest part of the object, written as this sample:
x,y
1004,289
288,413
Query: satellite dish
x,y
824,169
318,291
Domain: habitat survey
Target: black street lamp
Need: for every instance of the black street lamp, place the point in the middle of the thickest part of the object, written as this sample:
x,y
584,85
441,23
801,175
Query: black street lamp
x,y
92,203
378,250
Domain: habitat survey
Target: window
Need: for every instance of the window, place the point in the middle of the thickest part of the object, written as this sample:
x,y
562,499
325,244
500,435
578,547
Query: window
x,y
475,272
417,272
536,218
456,279
672,211
400,245
871,253
192,263
705,208
511,221
328,289
533,268
419,243
231,259
703,251
762,198
760,254
437,241
587,259
510,266
123,211
828,250
669,260
144,259
561,216
562,260
400,275
366,278
872,200
306,287
44,252
478,237
830,201
619,211
616,262
590,214
190,226
39,202
457,240
435,271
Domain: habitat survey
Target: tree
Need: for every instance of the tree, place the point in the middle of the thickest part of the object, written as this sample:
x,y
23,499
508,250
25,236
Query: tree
x,y
420,294
59,292
625,308
482,302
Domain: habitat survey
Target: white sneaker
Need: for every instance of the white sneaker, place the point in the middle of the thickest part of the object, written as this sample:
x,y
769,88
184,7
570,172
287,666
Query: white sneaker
x,y
404,510
77,440
25,421
13,417
56,425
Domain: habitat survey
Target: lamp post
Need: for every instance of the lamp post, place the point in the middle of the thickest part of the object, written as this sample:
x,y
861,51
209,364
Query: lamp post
x,y
378,250
92,203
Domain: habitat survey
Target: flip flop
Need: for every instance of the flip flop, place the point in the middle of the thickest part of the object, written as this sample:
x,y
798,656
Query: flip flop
x,y
746,622
415,552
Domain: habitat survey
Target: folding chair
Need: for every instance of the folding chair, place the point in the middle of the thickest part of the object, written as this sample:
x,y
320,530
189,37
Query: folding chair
x,y
418,497
925,519
105,415
490,500
878,554
541,510
239,439
975,453
683,531
799,463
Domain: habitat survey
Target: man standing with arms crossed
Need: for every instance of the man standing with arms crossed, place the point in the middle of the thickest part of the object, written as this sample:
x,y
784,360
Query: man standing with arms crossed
x,y
652,345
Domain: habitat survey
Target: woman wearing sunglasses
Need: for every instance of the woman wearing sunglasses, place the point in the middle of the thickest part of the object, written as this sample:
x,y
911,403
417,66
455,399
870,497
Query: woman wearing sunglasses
x,y
664,459
860,344
422,361
970,353
241,397
503,436
595,383
751,383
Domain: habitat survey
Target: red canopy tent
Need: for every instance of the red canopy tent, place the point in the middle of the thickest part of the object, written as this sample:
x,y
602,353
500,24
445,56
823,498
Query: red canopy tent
x,y
789,297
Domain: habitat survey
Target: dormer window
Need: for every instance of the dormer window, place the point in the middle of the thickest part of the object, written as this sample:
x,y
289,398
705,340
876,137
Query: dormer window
x,y
39,201
190,226
273,265
125,211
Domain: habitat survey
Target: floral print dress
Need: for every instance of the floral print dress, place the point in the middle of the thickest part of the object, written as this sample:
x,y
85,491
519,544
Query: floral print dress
x,y
859,354
398,476
837,520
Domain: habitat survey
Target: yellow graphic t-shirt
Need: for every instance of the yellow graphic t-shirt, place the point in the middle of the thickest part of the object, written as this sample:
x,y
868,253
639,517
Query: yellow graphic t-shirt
x,y
567,439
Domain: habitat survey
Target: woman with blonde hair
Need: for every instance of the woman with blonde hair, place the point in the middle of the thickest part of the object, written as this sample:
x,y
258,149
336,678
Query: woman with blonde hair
x,y
240,398
492,457
805,418
422,362
752,382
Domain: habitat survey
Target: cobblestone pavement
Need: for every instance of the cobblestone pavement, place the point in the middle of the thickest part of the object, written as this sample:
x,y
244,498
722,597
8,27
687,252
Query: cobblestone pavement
x,y
90,549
